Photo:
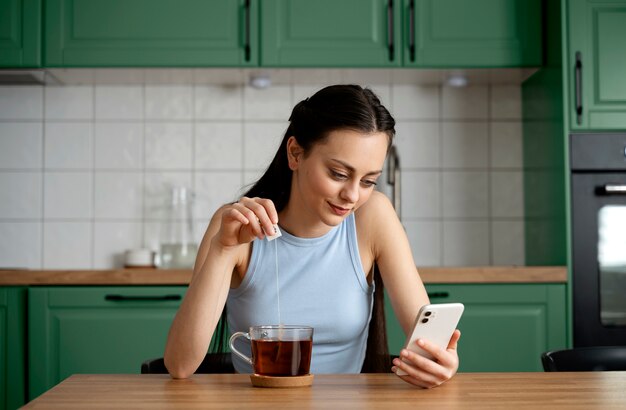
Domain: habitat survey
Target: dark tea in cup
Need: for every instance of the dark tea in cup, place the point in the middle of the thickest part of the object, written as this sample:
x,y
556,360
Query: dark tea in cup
x,y
278,351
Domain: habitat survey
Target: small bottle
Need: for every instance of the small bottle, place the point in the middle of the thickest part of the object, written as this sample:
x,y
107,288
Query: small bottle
x,y
178,247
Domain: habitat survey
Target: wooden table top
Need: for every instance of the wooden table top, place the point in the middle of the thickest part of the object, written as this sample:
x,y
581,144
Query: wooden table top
x,y
460,274
585,390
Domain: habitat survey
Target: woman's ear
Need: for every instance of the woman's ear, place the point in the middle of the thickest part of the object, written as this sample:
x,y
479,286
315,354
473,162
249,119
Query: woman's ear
x,y
294,153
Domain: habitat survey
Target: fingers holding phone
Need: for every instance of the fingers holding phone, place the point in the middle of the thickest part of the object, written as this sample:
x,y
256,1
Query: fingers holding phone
x,y
429,357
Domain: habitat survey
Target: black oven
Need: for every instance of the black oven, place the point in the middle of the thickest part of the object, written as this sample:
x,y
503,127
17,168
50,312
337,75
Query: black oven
x,y
598,166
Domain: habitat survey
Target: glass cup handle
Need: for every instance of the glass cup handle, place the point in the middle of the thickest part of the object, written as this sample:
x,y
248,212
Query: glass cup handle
x,y
237,352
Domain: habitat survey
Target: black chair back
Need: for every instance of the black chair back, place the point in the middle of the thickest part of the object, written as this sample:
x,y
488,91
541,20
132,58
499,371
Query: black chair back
x,y
213,363
585,359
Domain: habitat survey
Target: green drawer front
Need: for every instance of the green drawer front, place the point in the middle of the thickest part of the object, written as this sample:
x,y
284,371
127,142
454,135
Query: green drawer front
x,y
96,330
504,327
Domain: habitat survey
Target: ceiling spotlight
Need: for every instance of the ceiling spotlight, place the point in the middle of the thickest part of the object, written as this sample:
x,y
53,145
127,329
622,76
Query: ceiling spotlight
x,y
457,80
260,81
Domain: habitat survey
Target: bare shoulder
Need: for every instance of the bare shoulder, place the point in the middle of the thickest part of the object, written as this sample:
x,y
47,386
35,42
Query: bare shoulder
x,y
374,216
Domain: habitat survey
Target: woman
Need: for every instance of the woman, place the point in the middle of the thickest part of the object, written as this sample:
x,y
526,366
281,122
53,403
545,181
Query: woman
x,y
336,228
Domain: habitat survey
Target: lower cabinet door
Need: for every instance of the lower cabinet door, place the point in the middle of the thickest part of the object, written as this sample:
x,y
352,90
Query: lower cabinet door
x,y
96,330
12,347
505,327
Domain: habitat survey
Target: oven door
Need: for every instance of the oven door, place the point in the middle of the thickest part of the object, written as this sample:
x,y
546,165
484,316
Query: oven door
x,y
599,258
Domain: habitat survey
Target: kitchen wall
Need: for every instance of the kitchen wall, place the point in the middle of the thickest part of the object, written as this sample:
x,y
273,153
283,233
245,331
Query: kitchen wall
x,y
85,167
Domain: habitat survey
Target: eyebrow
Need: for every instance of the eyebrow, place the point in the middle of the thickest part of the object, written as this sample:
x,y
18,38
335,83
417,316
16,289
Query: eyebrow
x,y
351,168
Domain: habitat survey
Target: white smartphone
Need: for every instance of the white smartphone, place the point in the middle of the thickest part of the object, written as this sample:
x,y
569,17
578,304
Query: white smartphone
x,y
434,323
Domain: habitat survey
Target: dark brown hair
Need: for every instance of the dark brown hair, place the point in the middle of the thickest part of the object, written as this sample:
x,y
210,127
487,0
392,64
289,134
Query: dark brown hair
x,y
332,108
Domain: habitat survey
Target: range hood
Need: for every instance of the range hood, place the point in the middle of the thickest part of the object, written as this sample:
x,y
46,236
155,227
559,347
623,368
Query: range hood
x,y
22,77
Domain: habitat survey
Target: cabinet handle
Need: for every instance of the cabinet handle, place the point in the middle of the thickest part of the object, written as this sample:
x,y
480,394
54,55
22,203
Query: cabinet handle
x,y
435,295
134,298
412,30
246,46
611,189
578,74
390,29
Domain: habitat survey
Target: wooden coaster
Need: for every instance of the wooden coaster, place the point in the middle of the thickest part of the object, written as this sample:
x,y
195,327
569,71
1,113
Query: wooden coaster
x,y
286,381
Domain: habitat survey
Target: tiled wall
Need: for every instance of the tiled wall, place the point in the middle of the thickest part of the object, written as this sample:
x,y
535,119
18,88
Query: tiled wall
x,y
84,170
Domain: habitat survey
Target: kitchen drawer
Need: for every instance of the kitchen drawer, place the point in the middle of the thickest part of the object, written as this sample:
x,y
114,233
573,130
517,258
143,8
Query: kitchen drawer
x,y
96,330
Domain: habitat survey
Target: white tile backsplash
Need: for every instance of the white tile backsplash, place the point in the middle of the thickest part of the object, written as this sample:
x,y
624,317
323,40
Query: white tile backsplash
x,y
21,103
69,102
68,195
218,146
465,243
68,145
506,103
168,146
20,195
20,245
419,144
111,239
466,194
465,103
93,178
415,102
261,140
218,102
421,194
119,145
169,102
506,145
67,245
21,145
465,145
119,102
118,195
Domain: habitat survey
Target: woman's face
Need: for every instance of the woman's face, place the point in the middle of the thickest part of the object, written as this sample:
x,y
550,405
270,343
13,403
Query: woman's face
x,y
337,176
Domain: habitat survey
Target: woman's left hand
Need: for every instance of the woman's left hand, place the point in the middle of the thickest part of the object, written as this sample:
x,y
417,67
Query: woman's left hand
x,y
425,372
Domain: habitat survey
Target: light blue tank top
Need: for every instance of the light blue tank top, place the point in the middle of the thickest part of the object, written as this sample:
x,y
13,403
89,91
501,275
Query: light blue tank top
x,y
322,284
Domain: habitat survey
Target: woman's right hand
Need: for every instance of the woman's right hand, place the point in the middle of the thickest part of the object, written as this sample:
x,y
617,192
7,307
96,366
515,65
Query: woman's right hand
x,y
245,220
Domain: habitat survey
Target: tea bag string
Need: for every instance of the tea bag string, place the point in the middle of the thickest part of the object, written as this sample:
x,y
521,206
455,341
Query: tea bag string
x,y
277,282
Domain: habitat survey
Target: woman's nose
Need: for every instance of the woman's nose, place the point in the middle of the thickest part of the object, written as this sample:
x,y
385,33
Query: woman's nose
x,y
350,192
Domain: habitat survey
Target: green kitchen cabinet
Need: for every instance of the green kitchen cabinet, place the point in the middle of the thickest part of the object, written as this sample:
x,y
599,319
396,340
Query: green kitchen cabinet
x,y
330,33
417,33
505,327
596,64
95,330
477,33
20,33
12,347
151,33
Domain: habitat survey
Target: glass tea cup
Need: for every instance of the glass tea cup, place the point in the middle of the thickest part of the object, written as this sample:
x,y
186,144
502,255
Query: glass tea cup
x,y
278,350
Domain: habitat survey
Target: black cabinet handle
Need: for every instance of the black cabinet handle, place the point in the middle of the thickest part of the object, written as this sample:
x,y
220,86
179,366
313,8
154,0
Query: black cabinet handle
x,y
611,189
578,74
436,295
246,46
412,30
390,30
135,298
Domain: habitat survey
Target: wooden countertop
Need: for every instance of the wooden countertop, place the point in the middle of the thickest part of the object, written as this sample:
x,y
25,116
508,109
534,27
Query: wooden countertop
x,y
480,274
567,390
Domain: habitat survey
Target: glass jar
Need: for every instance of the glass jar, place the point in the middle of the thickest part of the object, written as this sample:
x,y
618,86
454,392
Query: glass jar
x,y
178,247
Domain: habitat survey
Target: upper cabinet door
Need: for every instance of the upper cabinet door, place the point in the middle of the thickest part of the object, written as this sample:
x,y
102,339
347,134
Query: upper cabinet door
x,y
331,33
597,64
476,33
150,33
20,33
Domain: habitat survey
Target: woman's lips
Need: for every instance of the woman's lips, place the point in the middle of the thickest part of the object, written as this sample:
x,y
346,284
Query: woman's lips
x,y
339,210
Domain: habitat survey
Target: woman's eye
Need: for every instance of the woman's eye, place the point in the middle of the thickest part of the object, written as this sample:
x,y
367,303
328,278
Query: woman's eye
x,y
338,175
368,183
